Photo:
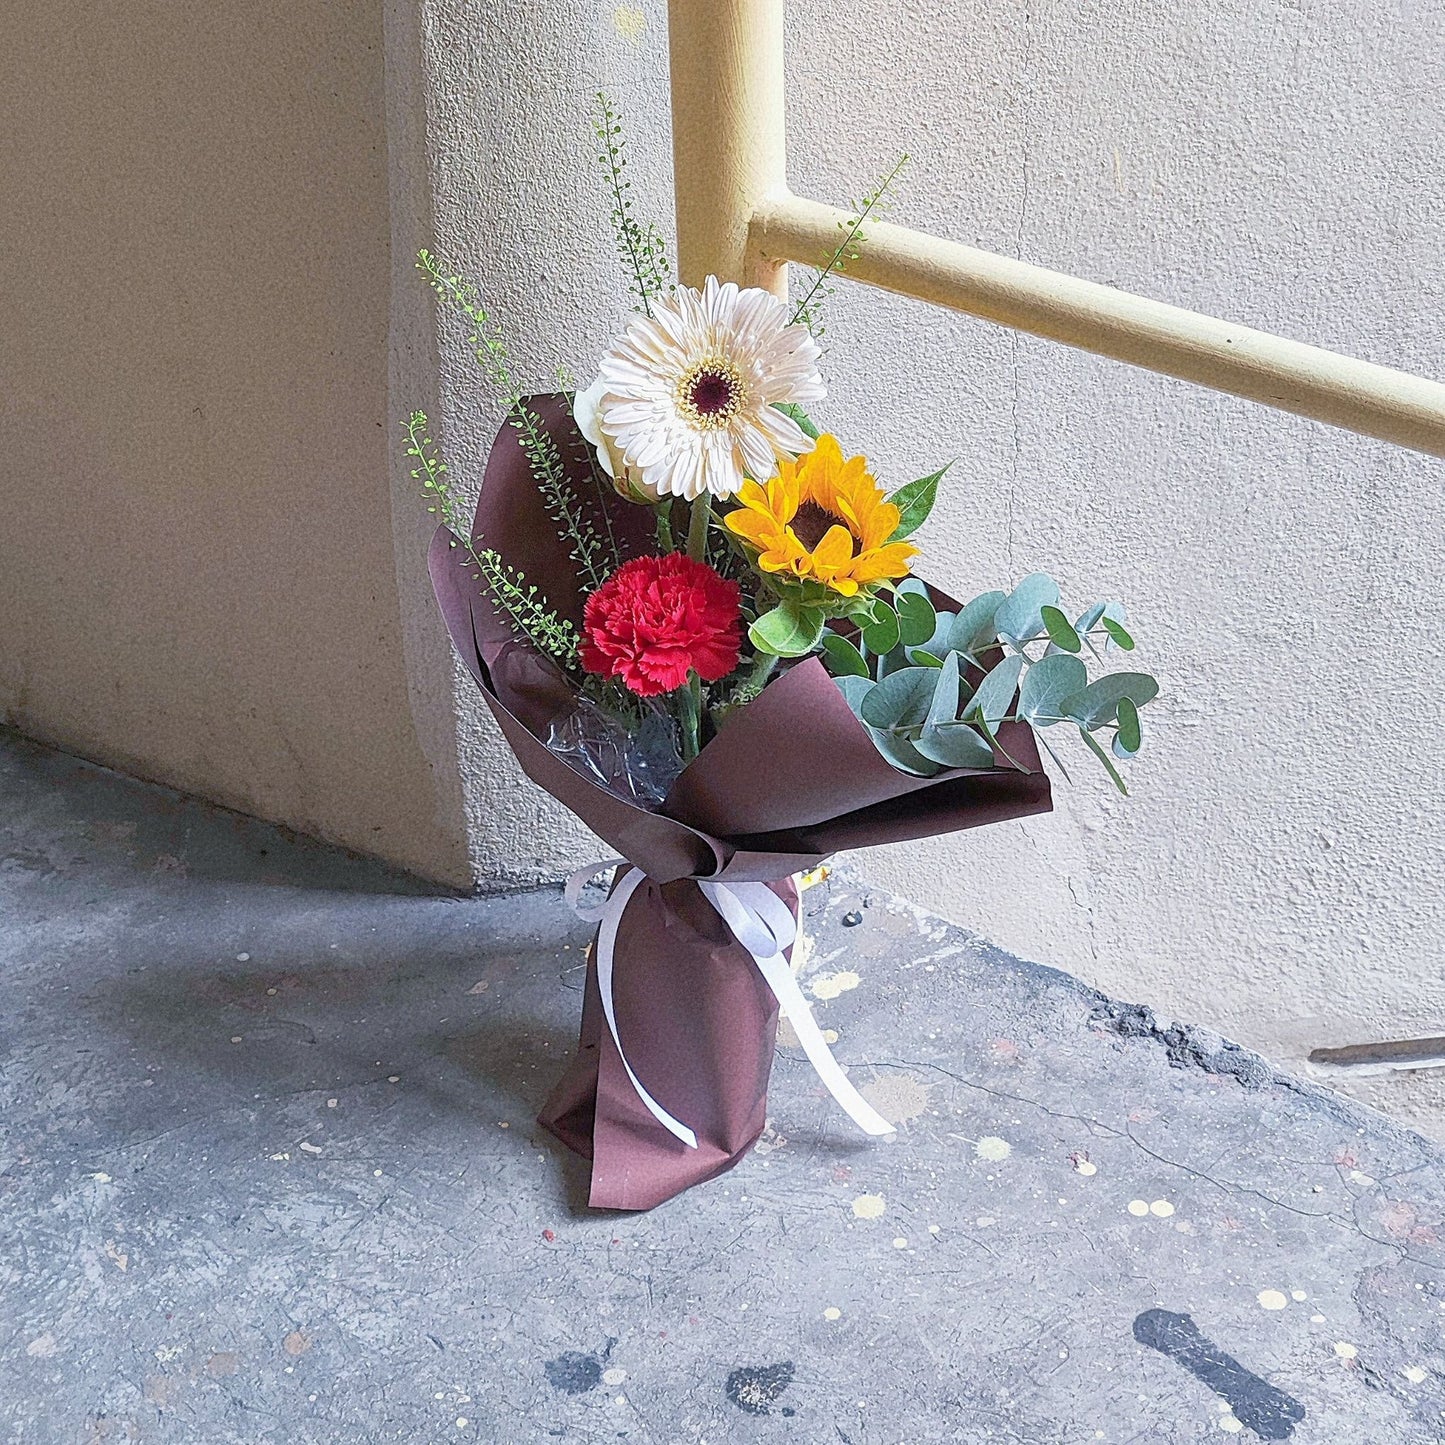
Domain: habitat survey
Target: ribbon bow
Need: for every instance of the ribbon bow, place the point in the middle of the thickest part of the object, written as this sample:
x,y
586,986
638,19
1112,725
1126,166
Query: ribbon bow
x,y
765,926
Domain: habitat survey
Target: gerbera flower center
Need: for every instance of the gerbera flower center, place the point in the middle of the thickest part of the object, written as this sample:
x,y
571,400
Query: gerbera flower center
x,y
711,393
811,524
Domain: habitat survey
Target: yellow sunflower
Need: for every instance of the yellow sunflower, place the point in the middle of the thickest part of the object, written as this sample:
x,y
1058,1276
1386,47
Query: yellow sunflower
x,y
823,519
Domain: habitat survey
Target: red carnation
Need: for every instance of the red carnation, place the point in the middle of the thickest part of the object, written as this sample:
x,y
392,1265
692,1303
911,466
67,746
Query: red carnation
x,y
656,619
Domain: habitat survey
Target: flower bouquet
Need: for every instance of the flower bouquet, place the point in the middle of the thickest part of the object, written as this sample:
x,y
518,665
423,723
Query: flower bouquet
x,y
695,618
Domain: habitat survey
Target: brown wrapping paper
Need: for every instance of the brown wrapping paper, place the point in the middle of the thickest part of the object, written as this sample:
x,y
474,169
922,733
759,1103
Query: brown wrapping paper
x,y
790,780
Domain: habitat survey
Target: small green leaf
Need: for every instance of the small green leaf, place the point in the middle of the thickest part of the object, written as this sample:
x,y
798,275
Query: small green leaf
x,y
944,706
854,690
994,699
902,699
943,739
1118,632
1097,704
973,628
881,635
1130,737
789,630
922,657
914,503
959,746
1020,614
1046,686
892,662
843,659
902,754
804,421
1060,629
916,618
1104,758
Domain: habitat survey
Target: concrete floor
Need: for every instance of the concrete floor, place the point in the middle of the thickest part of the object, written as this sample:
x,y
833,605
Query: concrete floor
x,y
268,1173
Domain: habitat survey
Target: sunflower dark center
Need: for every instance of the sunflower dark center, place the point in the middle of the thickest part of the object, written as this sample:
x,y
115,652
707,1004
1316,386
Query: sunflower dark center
x,y
712,392
811,524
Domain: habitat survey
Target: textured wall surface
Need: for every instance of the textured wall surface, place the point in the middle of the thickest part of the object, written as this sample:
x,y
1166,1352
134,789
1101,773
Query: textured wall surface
x,y
196,556
212,325
1276,872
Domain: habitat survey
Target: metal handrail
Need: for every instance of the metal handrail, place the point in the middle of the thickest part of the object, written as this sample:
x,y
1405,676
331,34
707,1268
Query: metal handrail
x,y
737,219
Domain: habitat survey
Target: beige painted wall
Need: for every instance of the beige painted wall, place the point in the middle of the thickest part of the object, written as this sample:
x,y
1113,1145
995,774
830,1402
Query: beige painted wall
x,y
212,326
1276,873
197,575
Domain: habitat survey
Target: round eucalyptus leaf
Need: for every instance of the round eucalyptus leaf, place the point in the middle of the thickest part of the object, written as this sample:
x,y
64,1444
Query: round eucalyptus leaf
x,y
1118,632
881,635
854,690
959,746
944,705
843,659
893,661
1130,737
902,754
1098,704
994,699
1047,685
973,628
916,618
902,699
1020,613
1060,629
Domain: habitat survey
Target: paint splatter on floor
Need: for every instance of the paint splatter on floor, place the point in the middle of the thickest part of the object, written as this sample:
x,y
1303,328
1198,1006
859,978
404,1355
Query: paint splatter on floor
x,y
900,1098
755,1389
1254,1402
1272,1299
992,1148
868,1206
573,1372
830,985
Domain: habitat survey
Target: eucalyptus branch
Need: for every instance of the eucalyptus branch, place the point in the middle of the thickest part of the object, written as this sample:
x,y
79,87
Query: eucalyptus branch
x,y
640,245
807,312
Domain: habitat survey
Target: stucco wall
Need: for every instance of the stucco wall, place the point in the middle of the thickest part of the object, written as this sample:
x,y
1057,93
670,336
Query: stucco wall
x,y
1276,871
213,326
197,577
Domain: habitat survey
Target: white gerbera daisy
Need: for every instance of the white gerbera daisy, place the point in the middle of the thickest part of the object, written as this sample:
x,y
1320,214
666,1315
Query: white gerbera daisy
x,y
687,394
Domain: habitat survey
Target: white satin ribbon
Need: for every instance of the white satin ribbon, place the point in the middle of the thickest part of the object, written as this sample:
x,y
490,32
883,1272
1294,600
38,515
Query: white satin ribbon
x,y
765,926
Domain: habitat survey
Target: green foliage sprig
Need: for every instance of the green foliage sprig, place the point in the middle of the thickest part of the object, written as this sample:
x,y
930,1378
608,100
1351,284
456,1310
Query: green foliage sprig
x,y
809,311
934,688
596,556
640,245
523,606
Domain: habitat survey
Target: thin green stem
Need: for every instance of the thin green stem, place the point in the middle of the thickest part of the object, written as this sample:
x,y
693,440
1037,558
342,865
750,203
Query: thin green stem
x,y
689,700
663,513
763,667
698,518
839,259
